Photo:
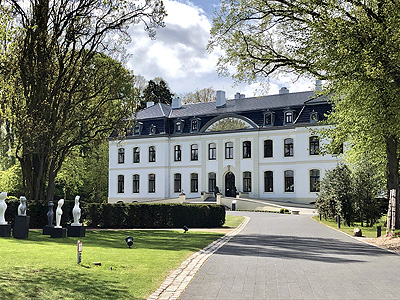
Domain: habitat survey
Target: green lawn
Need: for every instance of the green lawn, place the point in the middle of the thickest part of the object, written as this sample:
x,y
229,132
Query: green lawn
x,y
45,268
233,221
369,232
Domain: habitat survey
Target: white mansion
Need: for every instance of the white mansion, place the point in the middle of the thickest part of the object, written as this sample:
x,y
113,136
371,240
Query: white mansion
x,y
261,146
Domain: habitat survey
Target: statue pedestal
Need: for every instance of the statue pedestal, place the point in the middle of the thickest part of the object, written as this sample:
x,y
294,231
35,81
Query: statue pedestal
x,y
47,230
76,231
21,227
5,230
58,233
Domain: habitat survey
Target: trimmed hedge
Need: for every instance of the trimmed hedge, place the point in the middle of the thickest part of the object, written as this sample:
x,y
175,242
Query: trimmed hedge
x,y
122,215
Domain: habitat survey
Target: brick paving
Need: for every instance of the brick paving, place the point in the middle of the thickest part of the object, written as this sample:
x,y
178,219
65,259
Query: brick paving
x,y
291,257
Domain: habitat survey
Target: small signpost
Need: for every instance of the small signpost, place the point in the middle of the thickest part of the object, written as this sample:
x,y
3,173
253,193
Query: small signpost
x,y
79,252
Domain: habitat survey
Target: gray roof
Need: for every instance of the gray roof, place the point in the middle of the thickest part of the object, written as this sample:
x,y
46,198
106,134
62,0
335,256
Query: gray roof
x,y
232,106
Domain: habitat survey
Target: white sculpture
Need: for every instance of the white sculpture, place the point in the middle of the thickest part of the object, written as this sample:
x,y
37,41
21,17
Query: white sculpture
x,y
3,207
59,213
76,212
22,206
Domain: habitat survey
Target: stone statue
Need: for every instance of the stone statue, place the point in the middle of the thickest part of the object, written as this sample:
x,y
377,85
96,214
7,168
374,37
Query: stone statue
x,y
22,206
3,207
50,214
59,213
76,212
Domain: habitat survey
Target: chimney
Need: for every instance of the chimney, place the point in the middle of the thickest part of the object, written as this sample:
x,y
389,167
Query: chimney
x,y
221,100
239,96
149,104
242,96
176,103
283,90
318,85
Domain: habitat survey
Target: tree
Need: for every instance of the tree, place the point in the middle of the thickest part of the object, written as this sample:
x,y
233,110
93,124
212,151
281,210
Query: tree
x,y
352,44
203,95
65,92
157,91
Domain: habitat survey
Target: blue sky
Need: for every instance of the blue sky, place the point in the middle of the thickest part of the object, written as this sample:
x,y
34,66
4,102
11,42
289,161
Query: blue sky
x,y
179,53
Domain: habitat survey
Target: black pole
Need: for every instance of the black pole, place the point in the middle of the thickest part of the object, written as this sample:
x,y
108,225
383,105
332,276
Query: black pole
x,y
378,231
338,221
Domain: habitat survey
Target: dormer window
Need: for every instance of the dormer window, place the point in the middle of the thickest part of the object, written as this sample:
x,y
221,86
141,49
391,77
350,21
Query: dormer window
x,y
179,126
288,117
313,117
269,118
153,129
194,125
137,128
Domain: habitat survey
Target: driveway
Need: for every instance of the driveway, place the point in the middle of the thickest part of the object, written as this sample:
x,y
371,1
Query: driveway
x,y
280,256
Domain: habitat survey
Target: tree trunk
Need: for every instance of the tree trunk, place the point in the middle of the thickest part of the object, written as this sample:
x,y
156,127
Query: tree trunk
x,y
392,172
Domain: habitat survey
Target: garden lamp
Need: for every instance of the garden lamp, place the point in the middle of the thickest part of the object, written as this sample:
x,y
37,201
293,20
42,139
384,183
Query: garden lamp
x,y
129,241
185,228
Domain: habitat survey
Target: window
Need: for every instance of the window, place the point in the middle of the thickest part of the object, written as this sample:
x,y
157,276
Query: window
x,y
247,149
194,183
121,183
212,182
136,183
136,155
152,183
269,118
246,181
177,153
179,126
268,181
314,180
195,125
288,147
313,117
289,117
153,129
177,183
194,152
268,148
152,154
121,155
137,128
314,145
212,151
289,181
229,150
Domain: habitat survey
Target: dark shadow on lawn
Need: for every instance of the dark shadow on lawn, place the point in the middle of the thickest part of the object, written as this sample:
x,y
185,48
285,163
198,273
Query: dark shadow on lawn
x,y
30,284
303,248
145,239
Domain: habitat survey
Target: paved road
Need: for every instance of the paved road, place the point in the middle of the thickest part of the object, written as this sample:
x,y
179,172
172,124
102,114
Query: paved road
x,y
293,257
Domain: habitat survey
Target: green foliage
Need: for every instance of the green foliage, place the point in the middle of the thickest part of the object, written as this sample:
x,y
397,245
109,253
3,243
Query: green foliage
x,y
11,180
203,95
157,91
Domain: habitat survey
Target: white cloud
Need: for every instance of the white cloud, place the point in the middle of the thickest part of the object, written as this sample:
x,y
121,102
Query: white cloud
x,y
179,55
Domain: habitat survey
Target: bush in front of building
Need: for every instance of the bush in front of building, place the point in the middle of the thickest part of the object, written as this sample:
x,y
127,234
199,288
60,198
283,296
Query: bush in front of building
x,y
142,215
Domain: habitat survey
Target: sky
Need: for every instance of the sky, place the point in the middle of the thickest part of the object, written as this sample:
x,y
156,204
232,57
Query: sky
x,y
179,55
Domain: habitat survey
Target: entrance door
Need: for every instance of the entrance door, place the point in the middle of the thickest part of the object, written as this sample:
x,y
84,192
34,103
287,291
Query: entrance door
x,y
230,189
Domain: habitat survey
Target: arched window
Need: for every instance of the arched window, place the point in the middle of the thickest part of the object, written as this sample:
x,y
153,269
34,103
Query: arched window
x,y
194,152
314,145
289,181
268,181
268,150
152,183
136,155
212,182
229,150
314,180
135,183
152,154
121,155
288,147
177,183
121,183
246,149
194,183
212,151
177,153
246,181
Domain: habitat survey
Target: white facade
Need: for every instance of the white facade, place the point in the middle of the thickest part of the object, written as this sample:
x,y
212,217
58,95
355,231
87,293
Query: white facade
x,y
165,166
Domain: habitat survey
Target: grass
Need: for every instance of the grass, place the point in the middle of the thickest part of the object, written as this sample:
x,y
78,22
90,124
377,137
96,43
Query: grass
x,y
233,221
369,232
44,268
